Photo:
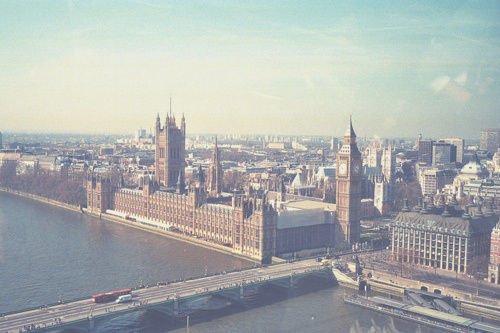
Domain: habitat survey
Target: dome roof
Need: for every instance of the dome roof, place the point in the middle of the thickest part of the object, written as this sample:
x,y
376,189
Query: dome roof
x,y
475,168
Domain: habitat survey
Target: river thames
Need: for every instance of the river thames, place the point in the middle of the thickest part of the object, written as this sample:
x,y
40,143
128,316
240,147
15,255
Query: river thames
x,y
48,253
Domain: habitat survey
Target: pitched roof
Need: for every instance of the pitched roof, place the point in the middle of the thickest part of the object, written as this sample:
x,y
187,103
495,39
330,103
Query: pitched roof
x,y
454,219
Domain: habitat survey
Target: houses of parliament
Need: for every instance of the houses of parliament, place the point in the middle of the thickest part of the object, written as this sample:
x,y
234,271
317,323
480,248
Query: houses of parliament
x,y
256,225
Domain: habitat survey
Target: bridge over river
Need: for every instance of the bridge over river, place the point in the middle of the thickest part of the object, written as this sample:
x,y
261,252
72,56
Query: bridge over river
x,y
172,299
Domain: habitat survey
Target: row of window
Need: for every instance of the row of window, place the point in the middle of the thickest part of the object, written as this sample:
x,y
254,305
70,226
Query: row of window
x,y
429,227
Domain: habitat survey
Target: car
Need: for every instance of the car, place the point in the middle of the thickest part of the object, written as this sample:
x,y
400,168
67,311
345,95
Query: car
x,y
124,298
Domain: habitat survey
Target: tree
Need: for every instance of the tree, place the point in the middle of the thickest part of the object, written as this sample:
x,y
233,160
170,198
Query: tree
x,y
330,192
408,170
405,260
49,184
411,191
233,180
478,268
465,200
7,172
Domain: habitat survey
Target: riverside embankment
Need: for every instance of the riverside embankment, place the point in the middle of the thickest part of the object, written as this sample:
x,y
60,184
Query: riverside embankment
x,y
42,199
466,302
137,225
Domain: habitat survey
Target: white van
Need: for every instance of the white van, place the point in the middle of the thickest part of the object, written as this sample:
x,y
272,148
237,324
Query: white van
x,y
124,298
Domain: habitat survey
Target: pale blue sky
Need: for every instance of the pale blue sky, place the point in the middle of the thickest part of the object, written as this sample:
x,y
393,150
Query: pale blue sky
x,y
278,67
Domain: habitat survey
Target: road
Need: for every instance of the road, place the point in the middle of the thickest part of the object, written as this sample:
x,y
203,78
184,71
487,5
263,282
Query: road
x,y
72,311
380,262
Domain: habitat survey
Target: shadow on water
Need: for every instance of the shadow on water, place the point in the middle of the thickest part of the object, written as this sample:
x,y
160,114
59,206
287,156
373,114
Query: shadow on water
x,y
212,308
313,306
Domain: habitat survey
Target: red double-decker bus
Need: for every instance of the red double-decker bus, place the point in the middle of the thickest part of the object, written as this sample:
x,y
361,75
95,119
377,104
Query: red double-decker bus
x,y
111,296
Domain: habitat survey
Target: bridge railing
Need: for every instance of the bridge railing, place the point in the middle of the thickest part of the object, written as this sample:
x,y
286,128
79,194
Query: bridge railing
x,y
207,275
144,286
49,305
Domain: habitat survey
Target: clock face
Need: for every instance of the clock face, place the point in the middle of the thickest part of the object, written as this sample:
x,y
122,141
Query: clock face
x,y
356,168
342,168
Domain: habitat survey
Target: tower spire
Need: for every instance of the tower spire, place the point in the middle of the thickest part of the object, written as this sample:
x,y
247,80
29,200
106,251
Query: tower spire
x,y
215,155
350,131
215,173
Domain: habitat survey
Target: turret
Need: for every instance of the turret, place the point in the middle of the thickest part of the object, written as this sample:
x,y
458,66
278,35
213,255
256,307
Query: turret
x,y
446,212
158,124
430,205
466,214
183,124
405,206
215,173
180,183
418,207
479,212
281,190
424,209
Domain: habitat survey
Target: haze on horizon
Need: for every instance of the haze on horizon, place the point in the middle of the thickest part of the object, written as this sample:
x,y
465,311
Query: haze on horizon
x,y
280,67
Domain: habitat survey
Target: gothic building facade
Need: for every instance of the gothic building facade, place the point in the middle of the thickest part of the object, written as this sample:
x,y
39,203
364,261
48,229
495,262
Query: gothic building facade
x,y
349,176
169,152
255,225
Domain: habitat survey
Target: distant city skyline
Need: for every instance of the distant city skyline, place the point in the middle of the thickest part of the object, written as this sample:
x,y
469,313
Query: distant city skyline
x,y
277,68
222,137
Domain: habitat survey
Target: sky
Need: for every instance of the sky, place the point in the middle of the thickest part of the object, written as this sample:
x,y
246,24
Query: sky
x,y
401,68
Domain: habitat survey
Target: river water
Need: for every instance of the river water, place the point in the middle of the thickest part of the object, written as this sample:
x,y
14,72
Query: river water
x,y
48,253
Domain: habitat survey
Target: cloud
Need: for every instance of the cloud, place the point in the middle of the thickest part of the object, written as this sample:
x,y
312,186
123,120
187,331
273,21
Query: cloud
x,y
440,83
266,96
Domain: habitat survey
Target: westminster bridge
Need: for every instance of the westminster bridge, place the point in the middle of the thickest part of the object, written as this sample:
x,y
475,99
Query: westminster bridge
x,y
171,299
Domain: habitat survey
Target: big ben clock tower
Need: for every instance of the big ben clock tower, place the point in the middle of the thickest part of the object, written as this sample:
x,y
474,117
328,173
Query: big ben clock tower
x,y
349,177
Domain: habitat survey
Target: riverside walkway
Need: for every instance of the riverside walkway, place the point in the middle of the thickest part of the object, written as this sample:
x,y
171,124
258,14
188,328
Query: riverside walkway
x,y
171,299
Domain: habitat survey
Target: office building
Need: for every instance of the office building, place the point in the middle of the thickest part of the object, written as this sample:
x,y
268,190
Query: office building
x,y
444,237
334,144
433,180
443,154
459,144
490,140
425,151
